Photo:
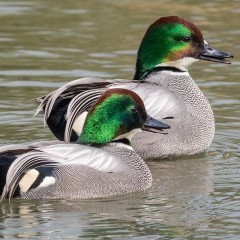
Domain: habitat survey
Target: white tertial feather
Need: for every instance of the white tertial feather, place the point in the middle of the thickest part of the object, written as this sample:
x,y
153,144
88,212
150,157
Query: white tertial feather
x,y
47,181
28,179
80,103
79,122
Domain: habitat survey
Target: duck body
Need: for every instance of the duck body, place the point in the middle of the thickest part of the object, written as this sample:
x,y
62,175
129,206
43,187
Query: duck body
x,y
73,171
101,162
184,107
162,80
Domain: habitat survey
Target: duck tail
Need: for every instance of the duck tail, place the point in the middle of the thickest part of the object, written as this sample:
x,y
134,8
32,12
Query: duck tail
x,y
6,159
19,166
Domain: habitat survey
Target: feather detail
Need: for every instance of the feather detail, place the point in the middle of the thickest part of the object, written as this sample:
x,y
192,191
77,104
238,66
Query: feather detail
x,y
56,156
28,179
68,90
21,165
79,104
14,148
73,88
75,154
79,123
82,93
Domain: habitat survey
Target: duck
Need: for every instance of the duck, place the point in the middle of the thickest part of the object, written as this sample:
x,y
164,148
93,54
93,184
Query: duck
x,y
170,45
101,163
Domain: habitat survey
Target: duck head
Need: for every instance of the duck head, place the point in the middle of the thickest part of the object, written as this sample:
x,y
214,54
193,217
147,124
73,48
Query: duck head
x,y
174,42
118,114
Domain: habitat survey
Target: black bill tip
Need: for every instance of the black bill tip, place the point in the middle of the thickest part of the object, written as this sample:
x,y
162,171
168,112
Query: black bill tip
x,y
213,55
154,125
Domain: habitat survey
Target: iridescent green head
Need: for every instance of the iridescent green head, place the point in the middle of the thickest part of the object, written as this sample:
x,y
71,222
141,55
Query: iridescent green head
x,y
167,40
174,42
116,112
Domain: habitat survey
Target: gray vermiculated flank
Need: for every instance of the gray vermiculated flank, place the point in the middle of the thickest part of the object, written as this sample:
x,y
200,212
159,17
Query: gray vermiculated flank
x,y
81,182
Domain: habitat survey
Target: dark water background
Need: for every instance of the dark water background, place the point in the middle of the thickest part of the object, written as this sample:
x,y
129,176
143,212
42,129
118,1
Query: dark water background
x,y
44,44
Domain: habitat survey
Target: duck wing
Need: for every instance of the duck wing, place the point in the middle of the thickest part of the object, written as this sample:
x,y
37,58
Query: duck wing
x,y
64,105
69,104
68,91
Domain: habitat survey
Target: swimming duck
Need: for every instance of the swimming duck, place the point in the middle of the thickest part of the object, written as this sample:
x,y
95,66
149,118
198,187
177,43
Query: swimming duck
x,y
162,80
101,163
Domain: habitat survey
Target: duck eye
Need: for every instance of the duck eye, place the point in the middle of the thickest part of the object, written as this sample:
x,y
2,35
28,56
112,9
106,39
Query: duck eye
x,y
186,39
134,110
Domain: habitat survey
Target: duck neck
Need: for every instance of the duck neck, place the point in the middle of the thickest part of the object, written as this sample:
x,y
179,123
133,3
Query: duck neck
x,y
140,74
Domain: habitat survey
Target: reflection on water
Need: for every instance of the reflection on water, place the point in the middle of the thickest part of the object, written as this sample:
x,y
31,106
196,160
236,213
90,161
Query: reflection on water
x,y
47,43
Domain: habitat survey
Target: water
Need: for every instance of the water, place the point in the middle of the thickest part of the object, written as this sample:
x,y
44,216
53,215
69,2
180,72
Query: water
x,y
44,44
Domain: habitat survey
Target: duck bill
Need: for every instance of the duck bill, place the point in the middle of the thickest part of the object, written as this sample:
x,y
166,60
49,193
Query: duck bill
x,y
213,55
154,125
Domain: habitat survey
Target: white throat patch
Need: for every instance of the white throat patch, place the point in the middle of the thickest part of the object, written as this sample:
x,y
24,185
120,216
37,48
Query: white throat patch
x,y
129,135
181,64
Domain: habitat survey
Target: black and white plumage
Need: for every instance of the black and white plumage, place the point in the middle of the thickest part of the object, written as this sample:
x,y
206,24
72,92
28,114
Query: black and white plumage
x,y
100,164
167,94
73,171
